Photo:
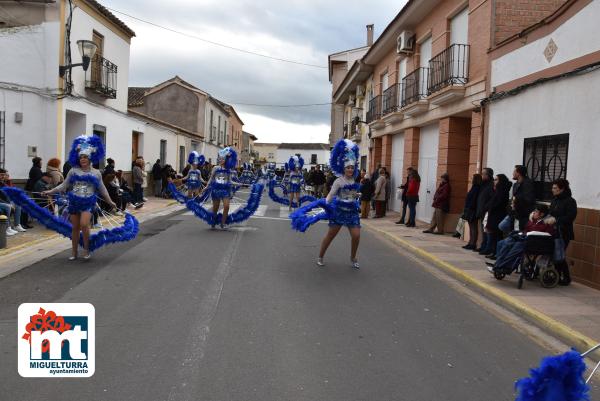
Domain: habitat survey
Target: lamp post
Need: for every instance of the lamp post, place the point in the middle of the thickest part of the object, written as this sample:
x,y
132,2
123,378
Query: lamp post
x,y
87,49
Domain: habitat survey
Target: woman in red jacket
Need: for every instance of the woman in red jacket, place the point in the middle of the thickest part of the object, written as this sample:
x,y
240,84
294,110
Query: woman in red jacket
x,y
441,205
412,196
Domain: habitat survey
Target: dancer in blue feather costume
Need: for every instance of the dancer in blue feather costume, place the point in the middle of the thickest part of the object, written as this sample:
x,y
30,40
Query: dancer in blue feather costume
x,y
83,184
341,207
220,184
295,179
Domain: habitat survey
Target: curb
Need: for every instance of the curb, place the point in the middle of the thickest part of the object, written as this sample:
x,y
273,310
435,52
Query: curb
x,y
9,251
572,337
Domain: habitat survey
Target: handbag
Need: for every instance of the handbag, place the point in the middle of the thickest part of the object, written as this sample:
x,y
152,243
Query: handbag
x,y
460,226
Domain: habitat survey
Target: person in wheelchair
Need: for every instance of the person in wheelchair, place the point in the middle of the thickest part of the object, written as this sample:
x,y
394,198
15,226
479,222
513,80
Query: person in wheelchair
x,y
514,245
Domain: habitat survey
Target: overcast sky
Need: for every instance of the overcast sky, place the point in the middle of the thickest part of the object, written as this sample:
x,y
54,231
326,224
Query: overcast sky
x,y
301,30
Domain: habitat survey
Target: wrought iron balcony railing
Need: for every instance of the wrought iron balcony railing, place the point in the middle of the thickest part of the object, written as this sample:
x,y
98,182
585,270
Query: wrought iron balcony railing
x,y
374,112
390,100
414,86
450,67
101,77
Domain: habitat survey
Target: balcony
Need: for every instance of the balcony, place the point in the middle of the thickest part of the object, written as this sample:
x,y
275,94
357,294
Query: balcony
x,y
374,112
101,77
414,92
390,100
448,74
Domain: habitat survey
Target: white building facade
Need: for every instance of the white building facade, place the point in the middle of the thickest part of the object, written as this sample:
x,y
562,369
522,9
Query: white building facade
x,y
544,115
41,116
216,129
312,153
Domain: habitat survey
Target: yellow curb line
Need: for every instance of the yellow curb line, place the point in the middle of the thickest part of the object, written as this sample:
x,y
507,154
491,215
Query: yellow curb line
x,y
8,251
572,337
28,244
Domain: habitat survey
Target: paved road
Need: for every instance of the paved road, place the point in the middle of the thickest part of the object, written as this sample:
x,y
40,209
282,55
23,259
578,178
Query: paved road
x,y
185,313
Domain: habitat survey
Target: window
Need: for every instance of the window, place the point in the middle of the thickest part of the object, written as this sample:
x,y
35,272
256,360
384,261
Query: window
x,y
546,160
182,158
211,126
219,130
225,133
163,152
313,158
271,155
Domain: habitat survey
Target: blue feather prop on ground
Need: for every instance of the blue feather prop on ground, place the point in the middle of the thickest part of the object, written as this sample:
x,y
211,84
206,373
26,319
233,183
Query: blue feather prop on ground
x,y
240,215
284,201
558,378
126,232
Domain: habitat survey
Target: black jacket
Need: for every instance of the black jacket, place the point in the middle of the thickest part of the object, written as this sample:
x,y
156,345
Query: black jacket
x,y
404,188
35,174
366,190
564,209
497,205
524,194
156,172
318,177
485,193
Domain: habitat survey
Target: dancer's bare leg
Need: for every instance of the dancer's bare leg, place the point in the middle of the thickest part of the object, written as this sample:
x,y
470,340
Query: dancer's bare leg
x,y
333,231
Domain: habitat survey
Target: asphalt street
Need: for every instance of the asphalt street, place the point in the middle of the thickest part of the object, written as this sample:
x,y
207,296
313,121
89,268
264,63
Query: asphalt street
x,y
186,313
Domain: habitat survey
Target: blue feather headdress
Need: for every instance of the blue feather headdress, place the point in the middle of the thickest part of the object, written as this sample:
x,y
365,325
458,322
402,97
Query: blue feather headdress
x,y
295,162
91,146
344,153
196,158
230,156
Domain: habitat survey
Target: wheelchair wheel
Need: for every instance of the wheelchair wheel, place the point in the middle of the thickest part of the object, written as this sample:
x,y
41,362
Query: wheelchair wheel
x,y
499,275
549,277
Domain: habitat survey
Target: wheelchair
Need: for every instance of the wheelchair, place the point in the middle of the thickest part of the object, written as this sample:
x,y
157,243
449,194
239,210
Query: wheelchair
x,y
536,262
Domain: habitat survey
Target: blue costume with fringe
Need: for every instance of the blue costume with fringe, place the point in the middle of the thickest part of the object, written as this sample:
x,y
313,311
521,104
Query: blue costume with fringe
x,y
296,180
220,185
82,188
344,207
193,180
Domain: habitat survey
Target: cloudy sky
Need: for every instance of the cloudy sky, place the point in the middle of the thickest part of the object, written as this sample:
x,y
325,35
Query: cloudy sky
x,y
301,30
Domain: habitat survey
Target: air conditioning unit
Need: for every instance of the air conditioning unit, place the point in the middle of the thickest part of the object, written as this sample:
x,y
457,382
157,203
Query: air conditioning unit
x,y
405,43
360,92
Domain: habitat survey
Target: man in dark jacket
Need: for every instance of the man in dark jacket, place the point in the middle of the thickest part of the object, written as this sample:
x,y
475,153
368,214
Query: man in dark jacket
x,y
523,195
35,173
157,177
319,181
485,194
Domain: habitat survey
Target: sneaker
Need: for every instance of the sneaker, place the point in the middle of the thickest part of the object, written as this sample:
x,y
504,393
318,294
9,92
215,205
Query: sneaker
x,y
490,269
355,264
72,258
138,205
320,262
10,232
399,222
145,199
97,225
20,229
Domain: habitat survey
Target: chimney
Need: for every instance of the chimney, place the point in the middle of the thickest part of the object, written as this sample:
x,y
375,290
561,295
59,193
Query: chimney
x,y
370,35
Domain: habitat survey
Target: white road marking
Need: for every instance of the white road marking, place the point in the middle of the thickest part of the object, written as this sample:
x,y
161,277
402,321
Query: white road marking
x,y
269,218
262,209
284,211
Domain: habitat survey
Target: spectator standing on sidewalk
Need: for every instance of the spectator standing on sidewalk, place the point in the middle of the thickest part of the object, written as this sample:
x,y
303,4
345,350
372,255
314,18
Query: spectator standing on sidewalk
x,y
470,211
523,194
66,167
52,168
110,167
485,194
496,208
388,191
404,188
366,193
138,181
379,195
157,178
412,196
441,206
319,181
564,209
144,178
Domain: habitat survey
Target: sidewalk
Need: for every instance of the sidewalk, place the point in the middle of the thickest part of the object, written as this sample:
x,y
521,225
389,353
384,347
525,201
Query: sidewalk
x,y
38,243
571,313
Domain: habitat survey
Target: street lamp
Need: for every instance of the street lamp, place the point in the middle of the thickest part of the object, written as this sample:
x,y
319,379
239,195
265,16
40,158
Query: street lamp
x,y
87,49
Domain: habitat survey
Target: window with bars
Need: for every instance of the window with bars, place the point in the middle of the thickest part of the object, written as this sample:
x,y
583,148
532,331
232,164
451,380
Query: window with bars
x,y
546,160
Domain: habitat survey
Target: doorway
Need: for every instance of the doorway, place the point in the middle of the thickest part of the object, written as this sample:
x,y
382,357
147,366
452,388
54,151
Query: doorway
x,y
428,157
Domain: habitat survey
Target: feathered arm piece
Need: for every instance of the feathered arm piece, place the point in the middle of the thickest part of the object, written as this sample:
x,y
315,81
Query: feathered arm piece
x,y
301,220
